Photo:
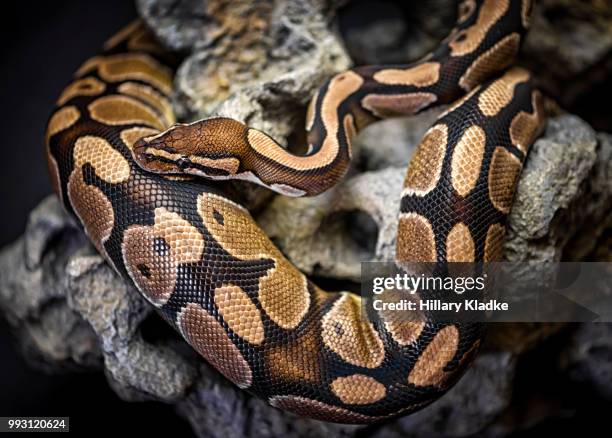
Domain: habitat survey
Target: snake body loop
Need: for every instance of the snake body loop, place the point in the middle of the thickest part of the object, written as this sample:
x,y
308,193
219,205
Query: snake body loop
x,y
119,164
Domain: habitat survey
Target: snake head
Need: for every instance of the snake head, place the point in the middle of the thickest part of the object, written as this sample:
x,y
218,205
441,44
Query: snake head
x,y
198,149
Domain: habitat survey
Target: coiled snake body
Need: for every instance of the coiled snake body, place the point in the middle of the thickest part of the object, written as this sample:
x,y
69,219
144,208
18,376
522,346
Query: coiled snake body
x,y
203,262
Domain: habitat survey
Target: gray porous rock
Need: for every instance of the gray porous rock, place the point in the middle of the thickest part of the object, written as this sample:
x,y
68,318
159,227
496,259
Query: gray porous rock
x,y
260,62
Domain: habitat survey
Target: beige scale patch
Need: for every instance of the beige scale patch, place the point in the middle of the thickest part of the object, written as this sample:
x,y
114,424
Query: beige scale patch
x,y
496,58
61,120
499,94
415,239
525,127
130,66
88,86
426,164
318,410
150,96
358,389
340,88
460,244
347,333
504,173
122,110
283,293
208,337
469,39
494,242
421,75
240,314
429,367
404,328
310,112
465,10
132,135
392,105
152,254
467,160
108,163
93,209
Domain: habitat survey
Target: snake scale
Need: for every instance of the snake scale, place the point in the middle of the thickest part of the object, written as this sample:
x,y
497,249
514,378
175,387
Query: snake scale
x,y
119,163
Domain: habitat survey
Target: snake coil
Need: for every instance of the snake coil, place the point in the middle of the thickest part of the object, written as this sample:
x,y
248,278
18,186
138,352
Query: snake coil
x,y
119,163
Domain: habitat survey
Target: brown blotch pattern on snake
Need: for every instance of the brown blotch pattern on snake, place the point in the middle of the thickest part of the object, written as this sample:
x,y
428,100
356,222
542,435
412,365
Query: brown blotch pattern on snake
x,y
426,164
123,110
347,333
283,293
496,58
358,389
504,172
460,244
429,367
240,314
467,160
208,337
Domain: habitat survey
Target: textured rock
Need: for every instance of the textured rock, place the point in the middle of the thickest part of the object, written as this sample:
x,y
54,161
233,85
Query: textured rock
x,y
587,358
258,62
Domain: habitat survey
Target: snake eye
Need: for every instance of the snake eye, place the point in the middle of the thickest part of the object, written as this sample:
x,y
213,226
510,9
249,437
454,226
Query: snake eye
x,y
183,163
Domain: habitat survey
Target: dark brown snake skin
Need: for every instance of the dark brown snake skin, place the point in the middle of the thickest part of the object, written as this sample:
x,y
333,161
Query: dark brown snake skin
x,y
203,262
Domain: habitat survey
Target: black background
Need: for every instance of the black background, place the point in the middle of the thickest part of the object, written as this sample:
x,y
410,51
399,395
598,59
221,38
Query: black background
x,y
44,42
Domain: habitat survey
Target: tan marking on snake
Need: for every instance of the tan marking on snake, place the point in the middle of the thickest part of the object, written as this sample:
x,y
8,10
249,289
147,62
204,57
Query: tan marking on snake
x,y
417,242
298,356
130,66
122,35
240,314
460,244
88,86
383,105
465,10
340,88
350,131
526,12
152,254
504,172
108,163
310,112
467,160
283,293
494,242
429,367
358,389
208,337
62,119
93,208
318,410
426,164
122,110
500,93
132,135
496,58
467,40
404,328
525,127
421,75
150,96
348,334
